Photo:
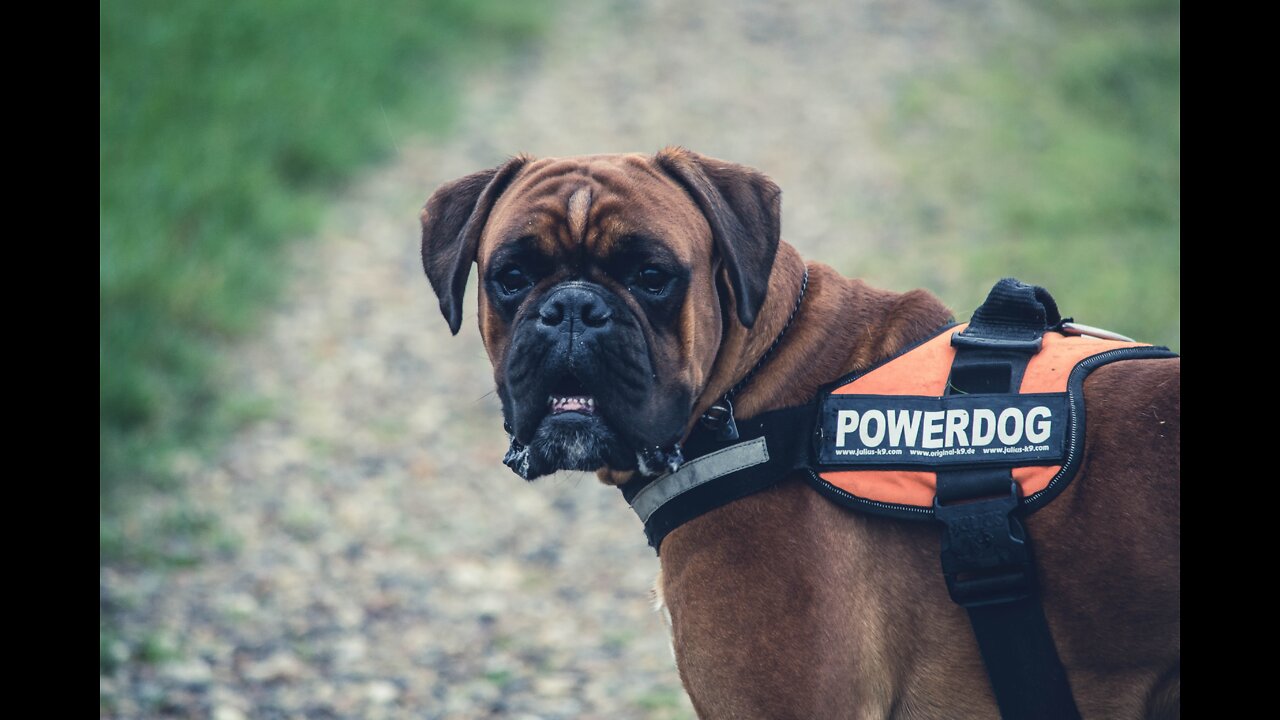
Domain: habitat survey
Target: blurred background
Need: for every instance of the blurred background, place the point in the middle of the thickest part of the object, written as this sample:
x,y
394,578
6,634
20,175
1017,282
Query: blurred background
x,y
303,512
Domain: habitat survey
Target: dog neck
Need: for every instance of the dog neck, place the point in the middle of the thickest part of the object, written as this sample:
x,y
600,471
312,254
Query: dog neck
x,y
842,326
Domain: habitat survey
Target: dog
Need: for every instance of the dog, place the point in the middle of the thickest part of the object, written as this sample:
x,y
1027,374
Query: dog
x,y
622,295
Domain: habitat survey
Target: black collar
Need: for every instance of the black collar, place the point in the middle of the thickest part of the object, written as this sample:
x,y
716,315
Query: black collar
x,y
771,445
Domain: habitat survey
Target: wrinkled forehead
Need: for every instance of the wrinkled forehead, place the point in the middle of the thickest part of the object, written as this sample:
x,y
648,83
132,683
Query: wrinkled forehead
x,y
569,206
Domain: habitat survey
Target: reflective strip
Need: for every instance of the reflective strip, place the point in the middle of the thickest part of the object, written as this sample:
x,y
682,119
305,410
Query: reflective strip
x,y
696,472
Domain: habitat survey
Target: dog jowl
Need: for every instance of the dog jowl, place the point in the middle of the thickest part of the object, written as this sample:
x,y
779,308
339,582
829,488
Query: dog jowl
x,y
597,303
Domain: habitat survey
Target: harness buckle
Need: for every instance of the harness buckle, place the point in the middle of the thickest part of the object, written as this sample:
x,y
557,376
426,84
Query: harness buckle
x,y
985,556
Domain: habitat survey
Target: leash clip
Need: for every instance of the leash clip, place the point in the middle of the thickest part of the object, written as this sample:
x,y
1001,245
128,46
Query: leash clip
x,y
719,420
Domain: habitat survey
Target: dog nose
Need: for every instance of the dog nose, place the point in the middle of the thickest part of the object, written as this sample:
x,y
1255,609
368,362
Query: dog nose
x,y
574,304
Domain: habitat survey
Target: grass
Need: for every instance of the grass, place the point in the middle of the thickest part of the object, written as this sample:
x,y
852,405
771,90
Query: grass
x,y
1054,159
224,126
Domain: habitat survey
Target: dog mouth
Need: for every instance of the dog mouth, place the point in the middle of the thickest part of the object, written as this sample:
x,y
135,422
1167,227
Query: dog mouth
x,y
576,428
585,404
569,395
570,434
569,437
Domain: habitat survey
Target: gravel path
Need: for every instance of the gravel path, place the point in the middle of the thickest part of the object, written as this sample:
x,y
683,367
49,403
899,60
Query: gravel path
x,y
381,562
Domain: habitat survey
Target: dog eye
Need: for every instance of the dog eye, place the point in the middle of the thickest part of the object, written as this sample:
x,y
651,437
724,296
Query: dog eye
x,y
653,280
513,280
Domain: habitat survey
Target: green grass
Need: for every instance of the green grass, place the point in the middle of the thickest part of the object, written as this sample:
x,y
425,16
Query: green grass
x,y
1056,159
224,127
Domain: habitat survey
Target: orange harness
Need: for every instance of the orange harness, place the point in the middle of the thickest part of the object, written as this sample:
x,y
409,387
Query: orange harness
x,y
965,434
974,428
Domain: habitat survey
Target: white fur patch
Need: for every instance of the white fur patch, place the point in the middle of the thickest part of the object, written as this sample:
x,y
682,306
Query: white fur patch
x,y
660,606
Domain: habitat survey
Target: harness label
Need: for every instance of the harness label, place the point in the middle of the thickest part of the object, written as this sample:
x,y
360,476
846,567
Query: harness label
x,y
888,430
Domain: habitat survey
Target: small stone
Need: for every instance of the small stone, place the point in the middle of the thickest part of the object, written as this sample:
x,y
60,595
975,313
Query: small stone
x,y
349,616
191,672
119,651
381,692
238,605
282,666
220,696
148,693
554,685
349,650
227,712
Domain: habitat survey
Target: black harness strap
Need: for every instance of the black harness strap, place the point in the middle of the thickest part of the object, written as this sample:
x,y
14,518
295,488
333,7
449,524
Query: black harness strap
x,y
986,556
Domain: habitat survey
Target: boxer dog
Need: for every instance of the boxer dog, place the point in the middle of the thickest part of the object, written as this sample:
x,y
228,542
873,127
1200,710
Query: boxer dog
x,y
622,295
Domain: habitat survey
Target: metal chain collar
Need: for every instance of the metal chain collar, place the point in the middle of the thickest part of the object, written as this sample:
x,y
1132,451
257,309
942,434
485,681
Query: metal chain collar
x,y
719,417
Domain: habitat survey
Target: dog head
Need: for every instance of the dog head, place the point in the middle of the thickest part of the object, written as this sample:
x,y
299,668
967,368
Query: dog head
x,y
607,284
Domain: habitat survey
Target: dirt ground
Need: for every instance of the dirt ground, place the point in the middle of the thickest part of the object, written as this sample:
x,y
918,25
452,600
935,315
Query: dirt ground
x,y
380,561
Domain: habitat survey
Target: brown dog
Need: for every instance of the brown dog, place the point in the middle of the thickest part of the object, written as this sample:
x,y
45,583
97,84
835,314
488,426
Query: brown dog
x,y
621,295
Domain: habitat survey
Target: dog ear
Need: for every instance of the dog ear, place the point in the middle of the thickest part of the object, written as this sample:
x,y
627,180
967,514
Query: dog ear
x,y
744,209
452,221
